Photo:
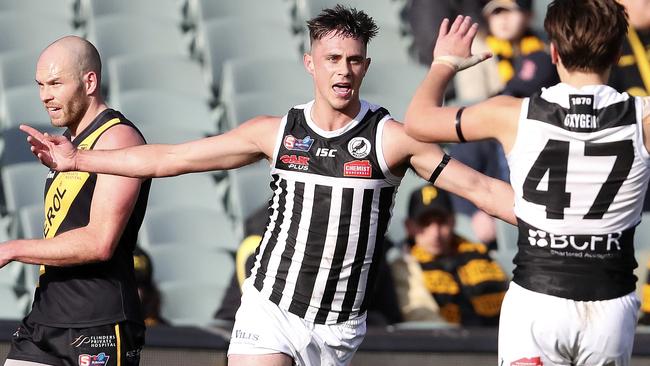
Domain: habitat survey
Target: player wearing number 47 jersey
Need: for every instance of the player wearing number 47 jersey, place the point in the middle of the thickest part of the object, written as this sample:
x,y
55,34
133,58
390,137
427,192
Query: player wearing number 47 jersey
x,y
336,163
578,157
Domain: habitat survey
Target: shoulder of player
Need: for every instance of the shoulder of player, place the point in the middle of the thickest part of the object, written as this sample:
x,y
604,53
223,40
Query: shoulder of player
x,y
119,136
262,123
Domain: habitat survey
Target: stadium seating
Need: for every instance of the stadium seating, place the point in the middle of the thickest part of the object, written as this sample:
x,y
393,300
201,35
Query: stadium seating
x,y
164,10
40,8
241,76
23,105
249,189
399,79
156,72
30,31
190,303
248,105
117,35
188,263
11,307
23,185
18,68
223,39
155,110
204,10
193,226
194,190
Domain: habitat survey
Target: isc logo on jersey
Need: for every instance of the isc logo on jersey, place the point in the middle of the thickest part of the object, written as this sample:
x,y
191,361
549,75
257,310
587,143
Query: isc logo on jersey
x,y
295,162
93,360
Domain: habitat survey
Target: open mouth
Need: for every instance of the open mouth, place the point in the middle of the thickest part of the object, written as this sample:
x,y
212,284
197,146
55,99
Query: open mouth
x,y
52,109
343,89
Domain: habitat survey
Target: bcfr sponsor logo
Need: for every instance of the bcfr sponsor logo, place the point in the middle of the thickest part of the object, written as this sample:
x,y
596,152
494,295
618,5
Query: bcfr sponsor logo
x,y
94,360
594,243
357,169
295,162
293,143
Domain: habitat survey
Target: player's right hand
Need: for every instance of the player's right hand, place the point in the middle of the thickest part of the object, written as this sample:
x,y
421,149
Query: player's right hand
x,y
55,152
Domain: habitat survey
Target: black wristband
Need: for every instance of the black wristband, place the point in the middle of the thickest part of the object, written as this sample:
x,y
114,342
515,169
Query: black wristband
x,y
459,131
439,168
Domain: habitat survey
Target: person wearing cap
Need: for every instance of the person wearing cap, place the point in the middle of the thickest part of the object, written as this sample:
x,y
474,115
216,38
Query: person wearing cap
x,y
467,285
524,64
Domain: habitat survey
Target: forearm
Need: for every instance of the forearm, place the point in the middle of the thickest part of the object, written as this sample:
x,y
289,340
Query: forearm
x,y
143,161
496,198
425,107
74,247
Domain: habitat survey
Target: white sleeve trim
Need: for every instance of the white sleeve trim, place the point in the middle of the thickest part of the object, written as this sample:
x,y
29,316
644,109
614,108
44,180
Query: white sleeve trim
x,y
379,142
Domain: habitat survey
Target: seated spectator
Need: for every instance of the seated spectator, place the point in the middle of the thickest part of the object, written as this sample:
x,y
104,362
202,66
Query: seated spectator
x,y
524,64
147,289
632,75
467,285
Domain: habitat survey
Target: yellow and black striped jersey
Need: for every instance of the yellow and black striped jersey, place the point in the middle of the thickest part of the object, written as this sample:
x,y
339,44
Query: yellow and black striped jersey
x,y
95,293
467,285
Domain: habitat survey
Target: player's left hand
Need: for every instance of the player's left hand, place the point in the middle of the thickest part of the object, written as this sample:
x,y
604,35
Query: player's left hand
x,y
454,44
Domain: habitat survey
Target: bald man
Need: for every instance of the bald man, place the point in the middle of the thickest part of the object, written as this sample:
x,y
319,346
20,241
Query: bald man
x,y
86,308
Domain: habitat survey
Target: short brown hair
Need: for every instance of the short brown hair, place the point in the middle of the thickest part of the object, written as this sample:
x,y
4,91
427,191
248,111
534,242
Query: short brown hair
x,y
344,21
588,34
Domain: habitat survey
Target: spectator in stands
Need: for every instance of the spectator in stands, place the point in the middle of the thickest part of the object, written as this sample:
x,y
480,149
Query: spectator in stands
x,y
467,285
147,289
645,299
632,74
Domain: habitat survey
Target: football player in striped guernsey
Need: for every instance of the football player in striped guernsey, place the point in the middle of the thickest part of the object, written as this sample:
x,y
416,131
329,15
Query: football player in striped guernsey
x,y
335,162
578,158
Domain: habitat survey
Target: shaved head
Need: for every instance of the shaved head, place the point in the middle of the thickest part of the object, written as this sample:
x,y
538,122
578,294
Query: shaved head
x,y
68,73
79,55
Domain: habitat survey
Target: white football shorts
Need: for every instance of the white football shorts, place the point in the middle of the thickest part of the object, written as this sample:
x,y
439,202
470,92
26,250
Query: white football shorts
x,y
261,327
536,329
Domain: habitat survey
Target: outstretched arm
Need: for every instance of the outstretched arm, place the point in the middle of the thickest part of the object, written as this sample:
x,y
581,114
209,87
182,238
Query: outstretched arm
x,y
426,119
251,141
490,195
113,200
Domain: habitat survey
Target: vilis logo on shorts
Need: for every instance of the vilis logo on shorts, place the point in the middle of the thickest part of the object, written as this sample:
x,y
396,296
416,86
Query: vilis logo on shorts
x,y
533,361
295,162
292,143
357,169
359,147
93,360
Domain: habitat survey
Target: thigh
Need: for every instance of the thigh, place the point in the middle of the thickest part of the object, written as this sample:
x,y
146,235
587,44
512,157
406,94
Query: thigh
x,y
334,344
114,344
518,341
262,328
275,359
609,336
29,344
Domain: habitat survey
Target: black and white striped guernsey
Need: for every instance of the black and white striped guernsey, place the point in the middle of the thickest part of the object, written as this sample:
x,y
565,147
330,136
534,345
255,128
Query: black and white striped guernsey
x,y
332,201
579,169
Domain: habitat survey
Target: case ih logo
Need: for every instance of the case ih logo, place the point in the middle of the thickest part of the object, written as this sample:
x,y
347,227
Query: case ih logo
x,y
357,169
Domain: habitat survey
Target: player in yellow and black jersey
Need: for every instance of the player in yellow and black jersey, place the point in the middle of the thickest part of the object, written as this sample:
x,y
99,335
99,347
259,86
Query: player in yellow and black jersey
x,y
466,283
86,308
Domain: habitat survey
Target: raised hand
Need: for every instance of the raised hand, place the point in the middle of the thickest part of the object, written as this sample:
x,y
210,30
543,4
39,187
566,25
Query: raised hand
x,y
55,152
454,44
